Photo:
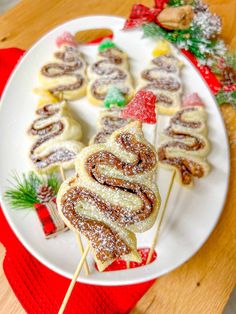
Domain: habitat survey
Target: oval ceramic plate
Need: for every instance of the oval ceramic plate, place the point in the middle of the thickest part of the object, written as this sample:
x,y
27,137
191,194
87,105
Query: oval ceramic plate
x,y
192,213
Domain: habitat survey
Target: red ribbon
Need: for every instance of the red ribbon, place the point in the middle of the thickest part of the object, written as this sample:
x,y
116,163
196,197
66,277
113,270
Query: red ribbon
x,y
141,14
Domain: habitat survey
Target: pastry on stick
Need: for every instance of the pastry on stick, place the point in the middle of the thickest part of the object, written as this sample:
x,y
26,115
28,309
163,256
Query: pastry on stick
x,y
185,146
56,138
111,68
109,121
162,77
65,74
112,195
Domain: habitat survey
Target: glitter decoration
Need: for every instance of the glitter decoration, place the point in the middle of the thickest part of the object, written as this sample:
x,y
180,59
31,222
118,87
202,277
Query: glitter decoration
x,y
209,24
114,97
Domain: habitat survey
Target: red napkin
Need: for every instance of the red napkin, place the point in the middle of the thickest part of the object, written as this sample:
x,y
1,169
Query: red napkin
x,y
41,290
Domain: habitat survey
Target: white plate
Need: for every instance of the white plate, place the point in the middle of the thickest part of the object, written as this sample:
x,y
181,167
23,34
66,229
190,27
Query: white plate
x,y
192,213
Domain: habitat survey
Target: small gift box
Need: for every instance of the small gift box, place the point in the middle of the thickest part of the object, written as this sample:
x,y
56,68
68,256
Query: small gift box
x,y
32,191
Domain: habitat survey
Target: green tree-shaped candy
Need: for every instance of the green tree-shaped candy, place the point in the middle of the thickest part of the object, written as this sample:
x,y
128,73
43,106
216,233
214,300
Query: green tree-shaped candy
x,y
114,97
105,44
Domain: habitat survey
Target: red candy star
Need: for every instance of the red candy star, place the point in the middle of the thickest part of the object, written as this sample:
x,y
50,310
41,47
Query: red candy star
x,y
141,107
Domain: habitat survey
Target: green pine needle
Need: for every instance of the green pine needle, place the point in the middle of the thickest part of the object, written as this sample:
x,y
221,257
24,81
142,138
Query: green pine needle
x,y
176,3
23,193
223,97
190,39
52,180
230,59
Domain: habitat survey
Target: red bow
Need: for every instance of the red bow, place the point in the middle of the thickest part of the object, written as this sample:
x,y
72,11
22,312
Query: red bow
x,y
141,14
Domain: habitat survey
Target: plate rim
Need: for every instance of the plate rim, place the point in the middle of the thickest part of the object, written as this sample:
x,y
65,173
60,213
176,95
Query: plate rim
x,y
103,282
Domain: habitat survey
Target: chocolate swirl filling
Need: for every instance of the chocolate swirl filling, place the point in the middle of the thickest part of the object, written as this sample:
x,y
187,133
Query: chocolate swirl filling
x,y
45,130
102,67
110,54
111,246
69,87
163,65
160,97
179,119
186,167
48,110
71,63
104,83
164,83
69,55
59,155
45,133
109,124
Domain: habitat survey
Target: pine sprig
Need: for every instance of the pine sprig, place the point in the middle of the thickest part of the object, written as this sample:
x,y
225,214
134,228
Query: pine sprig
x,y
189,39
176,3
224,97
23,193
230,59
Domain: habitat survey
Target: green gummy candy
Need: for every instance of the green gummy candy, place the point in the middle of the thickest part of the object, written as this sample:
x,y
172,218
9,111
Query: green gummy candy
x,y
105,44
114,97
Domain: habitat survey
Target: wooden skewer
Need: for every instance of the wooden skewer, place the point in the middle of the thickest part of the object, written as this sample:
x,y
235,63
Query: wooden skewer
x,y
79,241
157,233
128,264
81,247
73,281
62,173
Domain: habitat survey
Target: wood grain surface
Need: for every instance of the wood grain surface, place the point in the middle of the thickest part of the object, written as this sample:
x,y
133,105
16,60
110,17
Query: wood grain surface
x,y
204,283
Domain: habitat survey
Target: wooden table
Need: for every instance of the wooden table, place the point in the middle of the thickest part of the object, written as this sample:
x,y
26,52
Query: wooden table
x,y
204,283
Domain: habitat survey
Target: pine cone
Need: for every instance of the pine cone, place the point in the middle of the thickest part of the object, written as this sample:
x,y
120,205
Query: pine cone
x,y
45,193
228,76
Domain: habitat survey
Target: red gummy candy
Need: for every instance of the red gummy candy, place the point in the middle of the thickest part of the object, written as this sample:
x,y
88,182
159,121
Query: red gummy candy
x,y
192,100
121,264
141,107
66,38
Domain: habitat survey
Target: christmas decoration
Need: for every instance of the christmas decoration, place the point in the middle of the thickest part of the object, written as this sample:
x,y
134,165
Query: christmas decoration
x,y
33,191
176,18
192,27
140,14
114,97
141,107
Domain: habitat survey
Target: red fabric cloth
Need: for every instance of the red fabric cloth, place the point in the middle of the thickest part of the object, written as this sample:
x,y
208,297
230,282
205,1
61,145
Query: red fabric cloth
x,y
41,290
